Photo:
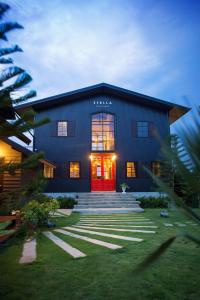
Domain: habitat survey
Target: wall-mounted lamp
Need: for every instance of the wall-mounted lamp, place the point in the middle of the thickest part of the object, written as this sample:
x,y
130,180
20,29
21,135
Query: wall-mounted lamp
x,y
91,157
114,157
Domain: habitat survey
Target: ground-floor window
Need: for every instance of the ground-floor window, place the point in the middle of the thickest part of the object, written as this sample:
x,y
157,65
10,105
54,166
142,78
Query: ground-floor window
x,y
74,169
48,171
131,169
156,168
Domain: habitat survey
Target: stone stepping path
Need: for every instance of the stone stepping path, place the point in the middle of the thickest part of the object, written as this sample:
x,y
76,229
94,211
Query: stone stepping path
x,y
65,246
168,224
114,220
123,222
118,225
116,229
29,252
120,237
90,240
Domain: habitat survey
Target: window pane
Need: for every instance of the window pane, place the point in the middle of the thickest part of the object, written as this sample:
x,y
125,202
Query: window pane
x,y
142,129
62,128
130,169
74,169
103,132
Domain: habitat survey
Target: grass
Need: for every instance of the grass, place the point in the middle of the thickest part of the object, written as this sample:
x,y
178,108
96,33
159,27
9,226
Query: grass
x,y
104,274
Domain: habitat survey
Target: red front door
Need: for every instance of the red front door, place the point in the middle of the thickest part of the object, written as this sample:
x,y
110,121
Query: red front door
x,y
102,172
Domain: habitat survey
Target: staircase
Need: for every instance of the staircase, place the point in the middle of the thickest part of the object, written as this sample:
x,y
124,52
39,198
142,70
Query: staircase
x,y
106,203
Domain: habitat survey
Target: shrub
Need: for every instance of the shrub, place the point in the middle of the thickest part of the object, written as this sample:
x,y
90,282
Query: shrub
x,y
36,213
66,202
152,202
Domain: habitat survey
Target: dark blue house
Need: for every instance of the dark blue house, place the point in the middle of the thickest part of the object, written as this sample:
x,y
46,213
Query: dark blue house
x,y
102,136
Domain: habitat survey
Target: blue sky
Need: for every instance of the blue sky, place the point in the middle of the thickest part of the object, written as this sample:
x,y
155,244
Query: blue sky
x,y
148,46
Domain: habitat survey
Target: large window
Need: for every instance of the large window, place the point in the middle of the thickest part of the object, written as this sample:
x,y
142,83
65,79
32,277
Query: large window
x,y
74,169
103,132
142,129
131,169
62,128
156,168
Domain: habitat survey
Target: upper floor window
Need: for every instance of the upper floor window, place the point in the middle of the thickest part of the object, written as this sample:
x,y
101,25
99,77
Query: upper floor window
x,y
62,128
142,129
130,169
156,168
103,132
74,169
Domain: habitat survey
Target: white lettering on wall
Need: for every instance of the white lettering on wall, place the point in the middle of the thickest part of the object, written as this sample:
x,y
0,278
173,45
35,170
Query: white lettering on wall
x,y
102,103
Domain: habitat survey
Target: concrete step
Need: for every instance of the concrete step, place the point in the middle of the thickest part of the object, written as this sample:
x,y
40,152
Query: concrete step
x,y
104,211
107,201
105,206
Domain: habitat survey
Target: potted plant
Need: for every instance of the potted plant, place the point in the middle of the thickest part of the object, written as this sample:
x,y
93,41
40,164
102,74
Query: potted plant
x,y
124,186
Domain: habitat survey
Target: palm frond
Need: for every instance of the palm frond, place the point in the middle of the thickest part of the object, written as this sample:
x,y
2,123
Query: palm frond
x,y
152,258
9,73
3,9
6,27
12,49
25,97
4,60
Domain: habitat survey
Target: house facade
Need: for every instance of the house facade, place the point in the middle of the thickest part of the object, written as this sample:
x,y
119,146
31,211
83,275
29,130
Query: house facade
x,y
102,136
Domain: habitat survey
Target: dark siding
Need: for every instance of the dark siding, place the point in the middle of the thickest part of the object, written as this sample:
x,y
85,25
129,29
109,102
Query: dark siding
x,y
77,146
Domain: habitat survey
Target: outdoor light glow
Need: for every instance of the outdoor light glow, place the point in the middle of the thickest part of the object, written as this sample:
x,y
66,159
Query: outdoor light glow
x,y
114,157
91,157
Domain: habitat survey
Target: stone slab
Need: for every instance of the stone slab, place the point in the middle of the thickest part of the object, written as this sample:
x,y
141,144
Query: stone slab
x,y
120,237
168,224
118,225
116,229
29,252
90,240
65,246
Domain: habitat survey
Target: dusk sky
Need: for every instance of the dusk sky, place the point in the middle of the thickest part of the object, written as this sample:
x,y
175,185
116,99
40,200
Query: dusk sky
x,y
148,46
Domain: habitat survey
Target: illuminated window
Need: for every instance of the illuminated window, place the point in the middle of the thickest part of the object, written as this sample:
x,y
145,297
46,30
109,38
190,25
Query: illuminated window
x,y
103,132
130,169
74,169
142,129
62,128
48,171
156,168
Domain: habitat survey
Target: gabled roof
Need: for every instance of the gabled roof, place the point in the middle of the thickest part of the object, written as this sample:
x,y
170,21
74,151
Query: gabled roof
x,y
175,110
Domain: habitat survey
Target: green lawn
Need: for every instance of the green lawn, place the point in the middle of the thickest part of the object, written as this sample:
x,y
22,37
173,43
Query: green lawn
x,y
104,274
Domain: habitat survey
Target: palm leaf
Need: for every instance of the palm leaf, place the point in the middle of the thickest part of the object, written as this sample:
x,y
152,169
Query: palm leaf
x,y
13,49
6,27
25,97
152,258
4,60
3,9
9,73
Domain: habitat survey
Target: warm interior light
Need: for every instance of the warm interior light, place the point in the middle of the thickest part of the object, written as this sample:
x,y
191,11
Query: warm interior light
x,y
91,157
114,157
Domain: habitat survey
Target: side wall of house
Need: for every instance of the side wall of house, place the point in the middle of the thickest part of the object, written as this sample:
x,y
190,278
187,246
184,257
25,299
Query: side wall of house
x,y
77,146
8,154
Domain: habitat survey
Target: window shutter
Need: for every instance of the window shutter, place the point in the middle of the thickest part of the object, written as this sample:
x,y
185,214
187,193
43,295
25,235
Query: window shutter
x,y
152,129
53,128
134,128
71,128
